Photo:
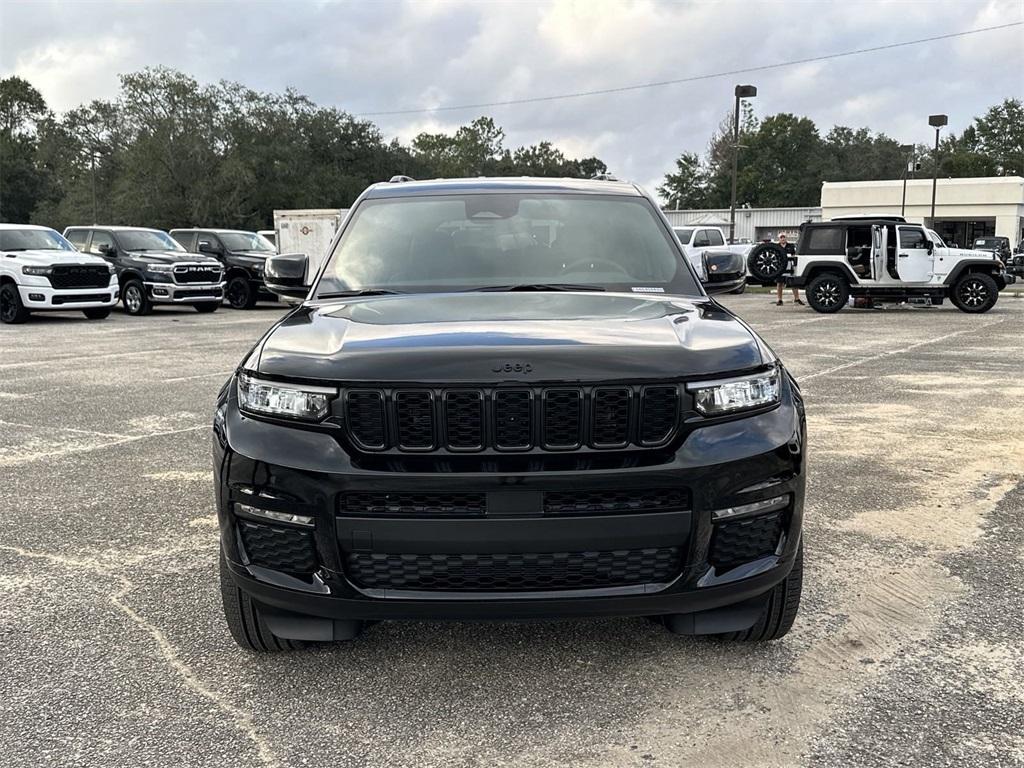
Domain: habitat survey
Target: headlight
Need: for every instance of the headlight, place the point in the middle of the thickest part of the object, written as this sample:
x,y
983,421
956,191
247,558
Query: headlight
x,y
291,400
37,270
110,268
162,269
714,398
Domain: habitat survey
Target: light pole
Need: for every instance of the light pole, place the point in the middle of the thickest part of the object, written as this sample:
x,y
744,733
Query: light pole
x,y
936,122
742,92
907,150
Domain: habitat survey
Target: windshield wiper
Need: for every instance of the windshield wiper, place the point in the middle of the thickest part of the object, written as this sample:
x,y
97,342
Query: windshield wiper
x,y
539,287
361,292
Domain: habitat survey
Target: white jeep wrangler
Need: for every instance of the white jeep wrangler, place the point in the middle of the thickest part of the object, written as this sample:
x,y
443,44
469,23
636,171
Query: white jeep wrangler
x,y
886,259
40,271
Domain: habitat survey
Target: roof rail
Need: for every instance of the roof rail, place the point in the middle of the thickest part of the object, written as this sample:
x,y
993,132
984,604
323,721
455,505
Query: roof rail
x,y
604,177
400,179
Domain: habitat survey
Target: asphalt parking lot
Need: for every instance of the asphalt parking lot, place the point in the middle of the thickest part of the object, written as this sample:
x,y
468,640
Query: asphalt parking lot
x,y
907,651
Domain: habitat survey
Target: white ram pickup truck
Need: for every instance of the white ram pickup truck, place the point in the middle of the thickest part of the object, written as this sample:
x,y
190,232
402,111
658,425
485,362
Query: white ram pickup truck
x,y
697,238
40,271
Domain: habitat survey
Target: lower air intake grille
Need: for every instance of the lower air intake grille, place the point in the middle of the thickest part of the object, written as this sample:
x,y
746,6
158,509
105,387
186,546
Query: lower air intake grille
x,y
282,549
530,572
735,542
414,504
613,502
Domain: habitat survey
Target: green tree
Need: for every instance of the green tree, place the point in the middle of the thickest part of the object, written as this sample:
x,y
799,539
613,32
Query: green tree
x,y
22,108
688,186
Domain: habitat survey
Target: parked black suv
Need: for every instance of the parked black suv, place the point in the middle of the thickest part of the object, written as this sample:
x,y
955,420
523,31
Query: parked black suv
x,y
507,399
243,255
152,268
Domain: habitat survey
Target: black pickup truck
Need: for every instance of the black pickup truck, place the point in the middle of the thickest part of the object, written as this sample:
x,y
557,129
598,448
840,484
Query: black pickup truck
x,y
152,268
243,255
506,399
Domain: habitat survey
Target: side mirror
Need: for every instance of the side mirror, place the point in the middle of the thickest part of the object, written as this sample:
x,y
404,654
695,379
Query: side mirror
x,y
725,272
205,246
106,249
930,247
285,275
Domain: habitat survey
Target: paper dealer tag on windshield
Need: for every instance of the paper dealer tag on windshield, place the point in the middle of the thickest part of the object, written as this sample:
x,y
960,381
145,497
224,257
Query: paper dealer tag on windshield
x,y
647,290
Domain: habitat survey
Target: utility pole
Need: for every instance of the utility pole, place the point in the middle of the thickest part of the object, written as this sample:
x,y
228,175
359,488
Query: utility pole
x,y
742,92
936,122
92,167
908,152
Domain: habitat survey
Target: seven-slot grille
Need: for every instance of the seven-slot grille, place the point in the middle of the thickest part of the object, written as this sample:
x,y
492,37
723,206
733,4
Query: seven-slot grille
x,y
70,276
197,273
513,419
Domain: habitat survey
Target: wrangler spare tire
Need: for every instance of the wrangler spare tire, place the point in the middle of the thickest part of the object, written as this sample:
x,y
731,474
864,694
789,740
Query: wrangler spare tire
x,y
767,262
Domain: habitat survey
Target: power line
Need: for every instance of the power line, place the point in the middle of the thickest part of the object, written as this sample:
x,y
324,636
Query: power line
x,y
694,78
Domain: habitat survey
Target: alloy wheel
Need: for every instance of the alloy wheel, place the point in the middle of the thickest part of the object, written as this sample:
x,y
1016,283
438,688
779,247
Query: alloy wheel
x,y
133,299
827,294
768,262
973,293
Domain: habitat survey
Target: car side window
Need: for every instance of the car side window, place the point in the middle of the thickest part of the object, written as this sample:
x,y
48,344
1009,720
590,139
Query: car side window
x,y
714,237
100,238
825,240
78,237
912,237
186,239
700,240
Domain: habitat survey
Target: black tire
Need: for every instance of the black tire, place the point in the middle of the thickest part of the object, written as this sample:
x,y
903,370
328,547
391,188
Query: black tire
x,y
240,293
738,291
206,307
828,293
780,612
12,311
134,299
97,313
767,262
244,621
975,292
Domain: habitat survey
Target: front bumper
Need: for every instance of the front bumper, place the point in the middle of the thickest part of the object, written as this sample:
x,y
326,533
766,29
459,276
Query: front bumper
x,y
308,473
39,296
184,293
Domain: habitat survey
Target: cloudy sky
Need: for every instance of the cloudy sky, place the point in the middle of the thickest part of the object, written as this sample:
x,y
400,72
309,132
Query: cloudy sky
x,y
369,57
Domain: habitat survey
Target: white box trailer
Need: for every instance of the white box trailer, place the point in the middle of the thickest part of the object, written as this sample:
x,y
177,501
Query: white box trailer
x,y
310,232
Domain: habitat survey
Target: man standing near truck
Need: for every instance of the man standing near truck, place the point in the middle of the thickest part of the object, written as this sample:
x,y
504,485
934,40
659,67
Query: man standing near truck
x,y
790,250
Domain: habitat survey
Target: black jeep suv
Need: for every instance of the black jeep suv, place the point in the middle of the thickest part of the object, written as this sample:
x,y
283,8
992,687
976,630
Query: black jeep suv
x,y
152,268
506,399
243,255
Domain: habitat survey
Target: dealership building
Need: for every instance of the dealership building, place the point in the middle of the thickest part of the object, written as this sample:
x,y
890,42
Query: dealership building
x,y
965,209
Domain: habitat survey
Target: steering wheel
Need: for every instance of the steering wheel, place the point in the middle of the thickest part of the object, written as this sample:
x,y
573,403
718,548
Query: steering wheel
x,y
589,264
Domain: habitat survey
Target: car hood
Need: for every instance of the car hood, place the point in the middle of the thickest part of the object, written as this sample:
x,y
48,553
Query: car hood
x,y
173,257
45,258
502,337
254,254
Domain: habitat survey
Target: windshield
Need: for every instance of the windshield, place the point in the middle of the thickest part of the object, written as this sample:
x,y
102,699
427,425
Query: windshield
x,y
988,242
937,239
146,240
466,242
245,241
33,240
683,235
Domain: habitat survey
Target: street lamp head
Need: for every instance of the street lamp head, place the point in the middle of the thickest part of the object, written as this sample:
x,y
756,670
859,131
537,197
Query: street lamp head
x,y
746,91
937,121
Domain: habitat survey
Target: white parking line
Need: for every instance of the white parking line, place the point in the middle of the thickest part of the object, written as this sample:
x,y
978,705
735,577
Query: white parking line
x,y
893,352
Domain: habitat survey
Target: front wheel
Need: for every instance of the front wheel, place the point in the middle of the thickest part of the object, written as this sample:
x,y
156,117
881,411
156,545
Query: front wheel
x,y
975,293
12,311
97,313
780,610
135,300
206,307
246,625
828,293
240,293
